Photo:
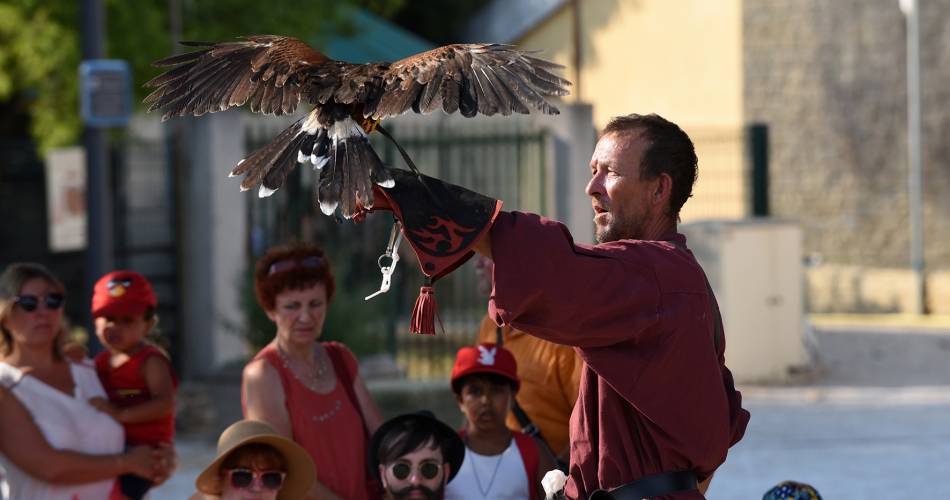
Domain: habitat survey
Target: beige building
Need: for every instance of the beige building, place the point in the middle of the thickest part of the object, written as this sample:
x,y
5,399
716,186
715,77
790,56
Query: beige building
x,y
640,56
826,77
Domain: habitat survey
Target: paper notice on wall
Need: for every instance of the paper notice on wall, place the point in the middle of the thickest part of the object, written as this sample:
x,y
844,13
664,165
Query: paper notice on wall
x,y
66,199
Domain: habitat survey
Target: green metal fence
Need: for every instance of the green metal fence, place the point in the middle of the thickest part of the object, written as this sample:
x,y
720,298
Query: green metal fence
x,y
504,158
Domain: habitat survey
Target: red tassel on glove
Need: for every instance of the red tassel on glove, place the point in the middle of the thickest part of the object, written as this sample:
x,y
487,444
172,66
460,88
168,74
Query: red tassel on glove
x,y
425,312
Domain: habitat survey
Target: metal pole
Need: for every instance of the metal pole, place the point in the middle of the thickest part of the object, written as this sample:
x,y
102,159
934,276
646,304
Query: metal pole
x,y
98,197
914,180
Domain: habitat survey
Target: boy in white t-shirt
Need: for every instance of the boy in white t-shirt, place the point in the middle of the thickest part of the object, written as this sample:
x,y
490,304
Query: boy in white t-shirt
x,y
499,464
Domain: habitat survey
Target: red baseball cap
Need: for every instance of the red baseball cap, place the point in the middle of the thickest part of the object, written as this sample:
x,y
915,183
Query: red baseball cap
x,y
122,293
485,358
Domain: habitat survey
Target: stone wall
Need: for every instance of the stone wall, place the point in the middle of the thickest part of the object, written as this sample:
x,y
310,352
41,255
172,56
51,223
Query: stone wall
x,y
828,77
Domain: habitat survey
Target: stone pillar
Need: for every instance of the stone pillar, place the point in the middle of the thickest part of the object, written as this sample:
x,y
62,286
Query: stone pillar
x,y
213,257
573,140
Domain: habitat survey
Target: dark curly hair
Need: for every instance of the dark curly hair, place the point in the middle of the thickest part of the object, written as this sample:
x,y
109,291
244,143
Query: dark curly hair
x,y
296,266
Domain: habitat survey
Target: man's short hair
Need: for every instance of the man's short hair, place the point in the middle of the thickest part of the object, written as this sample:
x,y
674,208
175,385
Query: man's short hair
x,y
670,151
407,436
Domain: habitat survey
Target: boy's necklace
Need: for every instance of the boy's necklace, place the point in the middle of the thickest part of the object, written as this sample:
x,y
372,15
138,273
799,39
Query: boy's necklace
x,y
491,482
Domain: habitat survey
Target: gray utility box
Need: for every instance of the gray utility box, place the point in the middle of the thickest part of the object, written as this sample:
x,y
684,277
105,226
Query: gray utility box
x,y
755,268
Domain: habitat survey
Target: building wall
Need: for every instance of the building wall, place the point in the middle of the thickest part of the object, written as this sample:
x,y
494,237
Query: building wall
x,y
681,60
829,79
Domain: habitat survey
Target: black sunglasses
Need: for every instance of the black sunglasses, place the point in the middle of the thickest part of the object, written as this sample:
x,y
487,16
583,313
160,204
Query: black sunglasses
x,y
429,469
270,479
29,303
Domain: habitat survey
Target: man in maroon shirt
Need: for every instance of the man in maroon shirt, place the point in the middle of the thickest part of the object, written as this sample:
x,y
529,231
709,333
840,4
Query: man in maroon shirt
x,y
657,409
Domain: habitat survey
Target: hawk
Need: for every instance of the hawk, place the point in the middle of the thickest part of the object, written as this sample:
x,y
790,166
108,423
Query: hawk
x,y
272,74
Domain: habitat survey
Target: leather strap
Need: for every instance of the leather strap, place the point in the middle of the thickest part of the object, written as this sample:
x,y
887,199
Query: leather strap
x,y
650,486
527,426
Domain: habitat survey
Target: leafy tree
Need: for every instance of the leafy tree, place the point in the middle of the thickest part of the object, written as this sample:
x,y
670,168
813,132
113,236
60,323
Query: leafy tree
x,y
40,45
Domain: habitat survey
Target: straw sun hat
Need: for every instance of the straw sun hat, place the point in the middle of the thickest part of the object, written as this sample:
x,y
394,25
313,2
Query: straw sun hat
x,y
300,469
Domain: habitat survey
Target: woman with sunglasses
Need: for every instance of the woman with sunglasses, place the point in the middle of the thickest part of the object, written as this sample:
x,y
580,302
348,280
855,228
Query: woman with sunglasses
x,y
53,444
307,390
254,462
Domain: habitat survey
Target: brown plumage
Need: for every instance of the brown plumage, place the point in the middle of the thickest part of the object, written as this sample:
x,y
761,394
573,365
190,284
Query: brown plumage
x,y
271,74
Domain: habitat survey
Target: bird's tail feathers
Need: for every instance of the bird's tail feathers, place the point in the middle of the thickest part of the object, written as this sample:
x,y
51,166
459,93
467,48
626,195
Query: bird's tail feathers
x,y
352,167
270,165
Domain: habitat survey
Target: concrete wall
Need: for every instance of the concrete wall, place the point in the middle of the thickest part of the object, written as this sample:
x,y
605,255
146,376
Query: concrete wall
x,y
829,79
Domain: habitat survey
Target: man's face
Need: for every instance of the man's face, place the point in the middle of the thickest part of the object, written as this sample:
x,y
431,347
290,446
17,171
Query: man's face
x,y
420,475
621,200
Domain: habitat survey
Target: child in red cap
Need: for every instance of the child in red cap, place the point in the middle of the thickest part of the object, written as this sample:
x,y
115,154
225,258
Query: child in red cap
x,y
499,464
136,374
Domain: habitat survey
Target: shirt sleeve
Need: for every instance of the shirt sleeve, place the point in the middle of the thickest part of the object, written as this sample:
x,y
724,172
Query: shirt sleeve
x,y
573,294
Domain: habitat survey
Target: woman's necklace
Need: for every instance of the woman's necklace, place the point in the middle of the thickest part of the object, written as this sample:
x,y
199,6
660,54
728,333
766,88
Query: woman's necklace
x,y
315,374
491,482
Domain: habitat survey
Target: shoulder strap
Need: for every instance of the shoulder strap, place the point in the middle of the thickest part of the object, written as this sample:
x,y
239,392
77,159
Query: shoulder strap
x,y
343,377
10,376
528,427
528,448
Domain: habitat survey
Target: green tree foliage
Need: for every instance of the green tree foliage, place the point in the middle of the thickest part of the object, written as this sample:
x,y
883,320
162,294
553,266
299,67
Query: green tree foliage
x,y
40,46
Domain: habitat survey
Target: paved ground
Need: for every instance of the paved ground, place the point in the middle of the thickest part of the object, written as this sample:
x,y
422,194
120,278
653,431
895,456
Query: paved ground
x,y
875,424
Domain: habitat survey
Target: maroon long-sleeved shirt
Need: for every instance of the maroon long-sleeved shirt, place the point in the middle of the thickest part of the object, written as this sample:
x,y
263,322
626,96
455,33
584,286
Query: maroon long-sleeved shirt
x,y
655,395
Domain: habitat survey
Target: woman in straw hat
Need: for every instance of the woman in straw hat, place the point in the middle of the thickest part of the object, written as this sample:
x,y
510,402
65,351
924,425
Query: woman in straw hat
x,y
254,462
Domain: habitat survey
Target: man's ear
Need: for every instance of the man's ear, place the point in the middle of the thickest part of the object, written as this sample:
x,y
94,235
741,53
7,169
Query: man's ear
x,y
446,473
382,475
662,189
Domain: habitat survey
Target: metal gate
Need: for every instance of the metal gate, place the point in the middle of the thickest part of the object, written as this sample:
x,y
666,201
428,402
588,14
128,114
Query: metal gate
x,y
505,158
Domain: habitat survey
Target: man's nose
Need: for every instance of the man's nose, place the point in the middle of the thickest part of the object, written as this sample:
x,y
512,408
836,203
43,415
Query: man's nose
x,y
595,186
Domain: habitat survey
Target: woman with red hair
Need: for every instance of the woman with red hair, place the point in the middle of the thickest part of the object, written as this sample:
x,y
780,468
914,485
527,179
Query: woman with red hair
x,y
310,391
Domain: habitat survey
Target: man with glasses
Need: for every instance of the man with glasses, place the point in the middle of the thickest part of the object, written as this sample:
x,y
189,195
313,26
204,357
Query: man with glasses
x,y
415,456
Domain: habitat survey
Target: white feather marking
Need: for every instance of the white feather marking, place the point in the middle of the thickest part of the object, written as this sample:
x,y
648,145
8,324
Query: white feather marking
x,y
302,158
264,192
343,130
388,183
311,125
328,208
319,161
232,174
244,189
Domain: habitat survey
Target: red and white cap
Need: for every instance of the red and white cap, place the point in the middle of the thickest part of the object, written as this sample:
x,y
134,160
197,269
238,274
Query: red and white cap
x,y
122,293
485,358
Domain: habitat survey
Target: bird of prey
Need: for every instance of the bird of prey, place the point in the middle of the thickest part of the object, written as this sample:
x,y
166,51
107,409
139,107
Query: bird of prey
x,y
273,73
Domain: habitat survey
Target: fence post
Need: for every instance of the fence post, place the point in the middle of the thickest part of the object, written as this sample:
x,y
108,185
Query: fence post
x,y
214,254
757,139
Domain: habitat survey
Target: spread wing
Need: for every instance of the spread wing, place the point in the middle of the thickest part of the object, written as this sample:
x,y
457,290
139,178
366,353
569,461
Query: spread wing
x,y
268,72
470,79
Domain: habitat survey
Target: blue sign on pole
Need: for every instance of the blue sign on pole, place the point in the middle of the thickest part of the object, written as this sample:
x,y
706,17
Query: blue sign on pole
x,y
105,92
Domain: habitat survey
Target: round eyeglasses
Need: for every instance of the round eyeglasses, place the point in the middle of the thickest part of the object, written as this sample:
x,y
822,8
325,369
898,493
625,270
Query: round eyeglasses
x,y
429,469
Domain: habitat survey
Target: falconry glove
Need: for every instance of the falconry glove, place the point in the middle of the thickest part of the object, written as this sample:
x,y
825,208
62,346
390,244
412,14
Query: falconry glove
x,y
441,222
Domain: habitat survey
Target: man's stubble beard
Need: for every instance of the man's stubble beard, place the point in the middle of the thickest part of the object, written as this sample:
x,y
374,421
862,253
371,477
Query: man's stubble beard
x,y
619,228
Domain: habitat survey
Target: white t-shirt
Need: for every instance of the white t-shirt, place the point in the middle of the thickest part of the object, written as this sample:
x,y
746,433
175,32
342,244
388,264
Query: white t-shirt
x,y
69,423
497,477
